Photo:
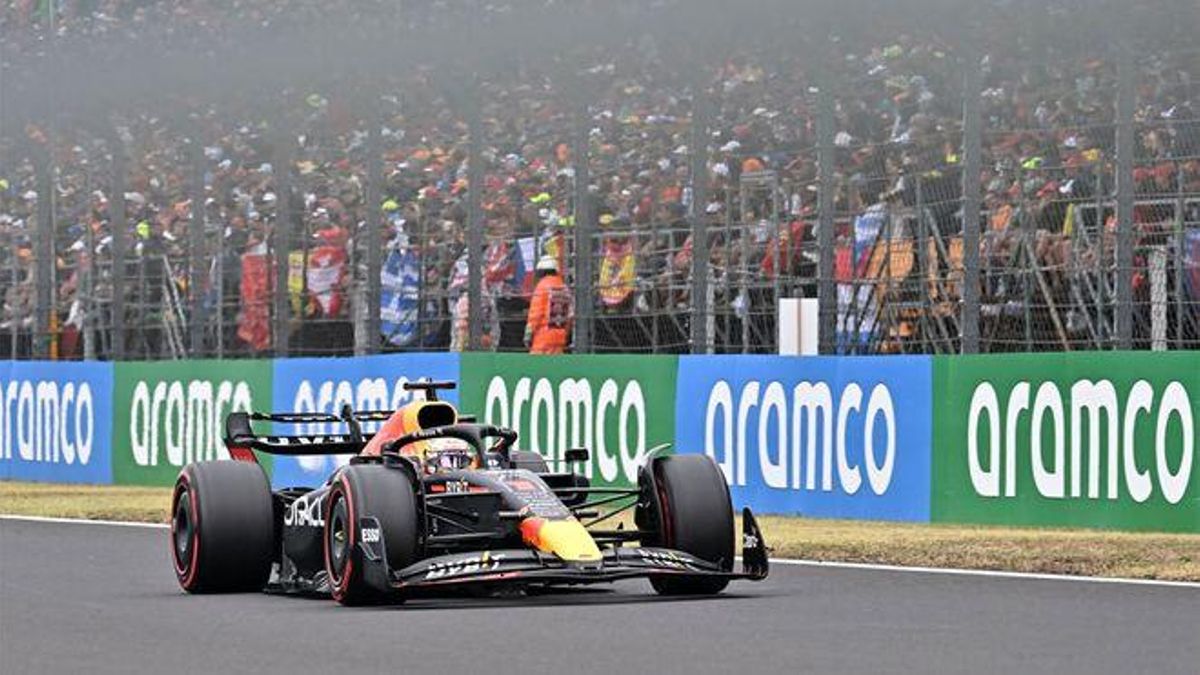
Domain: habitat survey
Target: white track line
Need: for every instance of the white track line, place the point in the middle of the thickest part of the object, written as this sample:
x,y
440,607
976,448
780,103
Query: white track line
x,y
83,521
774,561
982,573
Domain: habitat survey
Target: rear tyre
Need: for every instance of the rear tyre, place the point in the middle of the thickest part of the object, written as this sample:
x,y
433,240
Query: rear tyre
x,y
381,492
222,527
692,512
528,460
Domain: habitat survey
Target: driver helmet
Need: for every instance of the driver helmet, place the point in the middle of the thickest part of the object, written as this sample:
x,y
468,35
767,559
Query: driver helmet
x,y
448,454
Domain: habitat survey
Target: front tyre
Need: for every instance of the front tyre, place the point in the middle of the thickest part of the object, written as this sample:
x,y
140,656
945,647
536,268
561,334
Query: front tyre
x,y
691,508
222,527
384,493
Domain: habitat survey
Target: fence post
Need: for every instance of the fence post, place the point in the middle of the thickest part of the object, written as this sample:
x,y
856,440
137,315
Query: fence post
x,y
921,237
14,275
119,226
474,217
699,180
583,223
826,287
44,256
1126,102
972,144
282,235
87,281
1178,263
196,226
1104,327
374,240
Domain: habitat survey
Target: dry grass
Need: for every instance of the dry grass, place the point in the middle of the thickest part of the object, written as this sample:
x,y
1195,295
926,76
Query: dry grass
x,y
1089,552
95,502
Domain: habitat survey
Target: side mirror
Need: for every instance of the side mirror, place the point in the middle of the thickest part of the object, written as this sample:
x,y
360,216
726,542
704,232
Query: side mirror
x,y
576,455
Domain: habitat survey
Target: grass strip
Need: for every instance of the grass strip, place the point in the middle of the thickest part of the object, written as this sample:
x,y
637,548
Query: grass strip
x,y
93,502
1087,552
1134,555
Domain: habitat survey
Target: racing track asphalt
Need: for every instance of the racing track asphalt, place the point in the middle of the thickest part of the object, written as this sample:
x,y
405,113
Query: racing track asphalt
x,y
101,599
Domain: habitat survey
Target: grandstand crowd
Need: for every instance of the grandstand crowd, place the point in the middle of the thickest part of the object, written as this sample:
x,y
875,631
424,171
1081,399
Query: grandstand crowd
x,y
1049,83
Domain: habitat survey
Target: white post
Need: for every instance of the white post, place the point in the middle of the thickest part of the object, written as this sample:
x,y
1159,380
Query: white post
x,y
810,326
789,327
799,326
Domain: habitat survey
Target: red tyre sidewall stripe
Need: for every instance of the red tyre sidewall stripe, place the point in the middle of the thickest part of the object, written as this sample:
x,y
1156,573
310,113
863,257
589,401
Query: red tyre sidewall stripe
x,y
664,510
343,579
187,577
333,491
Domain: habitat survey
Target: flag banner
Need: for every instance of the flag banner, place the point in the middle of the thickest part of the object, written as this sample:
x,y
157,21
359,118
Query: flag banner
x,y
399,279
326,272
617,272
526,259
254,319
866,232
500,268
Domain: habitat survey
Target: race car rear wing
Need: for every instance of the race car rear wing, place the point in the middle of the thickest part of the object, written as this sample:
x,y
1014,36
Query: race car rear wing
x,y
240,436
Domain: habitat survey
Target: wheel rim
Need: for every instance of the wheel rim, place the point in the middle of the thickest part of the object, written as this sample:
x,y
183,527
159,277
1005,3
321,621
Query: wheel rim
x,y
182,531
338,537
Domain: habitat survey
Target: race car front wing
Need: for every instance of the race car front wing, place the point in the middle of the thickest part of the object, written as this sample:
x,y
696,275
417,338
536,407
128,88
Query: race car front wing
x,y
515,567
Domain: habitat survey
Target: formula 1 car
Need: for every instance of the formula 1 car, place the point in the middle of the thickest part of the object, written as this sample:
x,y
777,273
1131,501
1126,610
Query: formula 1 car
x,y
432,502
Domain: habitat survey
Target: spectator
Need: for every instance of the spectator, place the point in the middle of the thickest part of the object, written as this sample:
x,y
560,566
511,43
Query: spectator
x,y
548,328
1048,152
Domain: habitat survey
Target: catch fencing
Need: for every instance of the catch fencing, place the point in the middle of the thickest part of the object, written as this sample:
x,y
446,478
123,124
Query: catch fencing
x,y
306,238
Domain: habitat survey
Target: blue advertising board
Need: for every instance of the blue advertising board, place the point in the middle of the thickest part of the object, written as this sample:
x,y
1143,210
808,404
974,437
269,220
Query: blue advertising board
x,y
837,437
56,421
326,384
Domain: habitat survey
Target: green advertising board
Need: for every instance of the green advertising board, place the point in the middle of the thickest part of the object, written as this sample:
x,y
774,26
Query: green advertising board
x,y
619,408
1071,440
167,414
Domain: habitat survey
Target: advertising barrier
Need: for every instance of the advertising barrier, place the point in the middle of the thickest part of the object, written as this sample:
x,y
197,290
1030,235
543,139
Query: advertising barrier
x,y
169,413
326,384
1101,440
619,407
55,421
844,437
1080,440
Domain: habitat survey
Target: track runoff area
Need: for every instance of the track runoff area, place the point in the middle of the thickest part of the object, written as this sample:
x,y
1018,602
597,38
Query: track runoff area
x,y
99,596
